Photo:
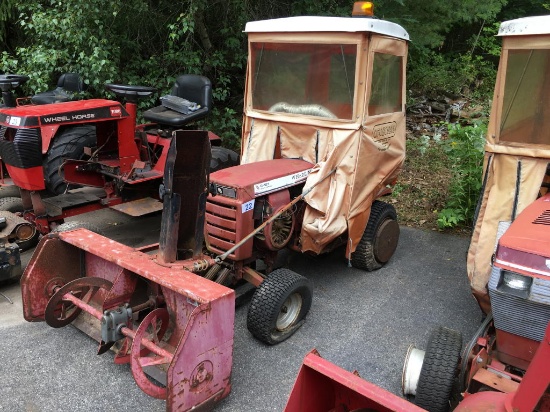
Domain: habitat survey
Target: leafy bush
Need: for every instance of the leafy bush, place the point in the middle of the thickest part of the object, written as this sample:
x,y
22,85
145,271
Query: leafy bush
x,y
432,74
464,148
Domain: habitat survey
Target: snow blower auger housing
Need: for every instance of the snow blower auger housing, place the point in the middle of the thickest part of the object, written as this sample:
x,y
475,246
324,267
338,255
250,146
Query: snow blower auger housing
x,y
170,322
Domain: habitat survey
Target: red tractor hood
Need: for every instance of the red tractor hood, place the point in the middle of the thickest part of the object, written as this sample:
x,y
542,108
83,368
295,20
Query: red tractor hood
x,y
530,232
263,177
57,113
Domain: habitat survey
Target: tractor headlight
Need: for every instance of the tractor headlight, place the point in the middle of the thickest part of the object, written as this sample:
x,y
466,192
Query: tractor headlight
x,y
516,281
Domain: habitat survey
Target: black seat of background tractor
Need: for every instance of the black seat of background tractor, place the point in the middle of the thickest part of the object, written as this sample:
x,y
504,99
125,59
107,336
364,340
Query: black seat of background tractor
x,y
68,85
194,88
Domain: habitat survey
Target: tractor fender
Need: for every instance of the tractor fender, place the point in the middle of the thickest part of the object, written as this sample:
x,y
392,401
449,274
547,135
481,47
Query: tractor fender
x,y
48,132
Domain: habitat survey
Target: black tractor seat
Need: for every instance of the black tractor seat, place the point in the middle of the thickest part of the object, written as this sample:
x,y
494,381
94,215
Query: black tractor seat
x,y
68,87
189,100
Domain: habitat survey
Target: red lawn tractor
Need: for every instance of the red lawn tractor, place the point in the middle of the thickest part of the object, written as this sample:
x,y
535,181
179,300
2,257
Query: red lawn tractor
x,y
50,148
509,255
323,139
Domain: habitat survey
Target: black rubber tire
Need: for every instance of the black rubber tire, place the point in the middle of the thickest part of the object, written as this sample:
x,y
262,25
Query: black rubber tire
x,y
267,304
439,370
364,257
64,227
9,191
69,144
222,158
11,204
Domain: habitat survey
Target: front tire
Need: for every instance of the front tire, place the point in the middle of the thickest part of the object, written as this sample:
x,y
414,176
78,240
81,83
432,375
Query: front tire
x,y
438,373
69,144
279,306
379,239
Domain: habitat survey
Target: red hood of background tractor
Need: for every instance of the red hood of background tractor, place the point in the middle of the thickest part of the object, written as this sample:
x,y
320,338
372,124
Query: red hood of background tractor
x,y
41,115
265,176
530,232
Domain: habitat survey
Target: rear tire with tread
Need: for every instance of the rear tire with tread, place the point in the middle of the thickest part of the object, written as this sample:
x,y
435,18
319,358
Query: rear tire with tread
x,y
69,144
9,191
222,158
439,370
381,234
11,204
279,306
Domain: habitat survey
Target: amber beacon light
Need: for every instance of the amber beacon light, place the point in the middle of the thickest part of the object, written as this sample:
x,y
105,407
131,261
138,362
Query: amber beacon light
x,y
363,8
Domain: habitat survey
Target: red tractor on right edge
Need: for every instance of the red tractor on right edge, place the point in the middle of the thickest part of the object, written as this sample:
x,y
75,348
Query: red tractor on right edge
x,y
505,367
509,255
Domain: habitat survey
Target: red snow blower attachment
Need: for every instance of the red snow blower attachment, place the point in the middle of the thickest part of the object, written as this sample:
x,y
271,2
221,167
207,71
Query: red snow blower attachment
x,y
165,320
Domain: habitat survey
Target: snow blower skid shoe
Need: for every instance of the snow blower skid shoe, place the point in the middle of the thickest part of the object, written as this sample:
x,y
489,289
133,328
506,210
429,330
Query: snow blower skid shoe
x,y
158,314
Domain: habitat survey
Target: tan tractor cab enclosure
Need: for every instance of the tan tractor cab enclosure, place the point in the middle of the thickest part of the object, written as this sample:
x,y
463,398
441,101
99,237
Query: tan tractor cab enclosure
x,y
517,152
331,91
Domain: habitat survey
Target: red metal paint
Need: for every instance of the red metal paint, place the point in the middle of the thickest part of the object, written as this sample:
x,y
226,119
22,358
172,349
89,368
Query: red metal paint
x,y
323,386
199,351
29,179
526,243
532,392
515,350
247,175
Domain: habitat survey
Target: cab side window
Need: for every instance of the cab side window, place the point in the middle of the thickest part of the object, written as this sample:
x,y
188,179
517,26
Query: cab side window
x,y
387,81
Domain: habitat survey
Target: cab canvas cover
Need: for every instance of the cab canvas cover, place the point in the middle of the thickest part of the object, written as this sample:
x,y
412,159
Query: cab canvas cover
x,y
517,150
359,130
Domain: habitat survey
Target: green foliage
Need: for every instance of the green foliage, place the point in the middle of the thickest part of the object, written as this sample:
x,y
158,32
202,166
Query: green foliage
x,y
464,148
433,74
6,12
150,42
429,22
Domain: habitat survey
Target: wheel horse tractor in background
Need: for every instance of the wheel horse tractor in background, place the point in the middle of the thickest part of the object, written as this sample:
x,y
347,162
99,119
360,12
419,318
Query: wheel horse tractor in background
x,y
506,365
49,148
323,139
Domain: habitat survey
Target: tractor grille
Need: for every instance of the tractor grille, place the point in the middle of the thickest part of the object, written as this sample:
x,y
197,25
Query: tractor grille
x,y
24,151
510,312
226,226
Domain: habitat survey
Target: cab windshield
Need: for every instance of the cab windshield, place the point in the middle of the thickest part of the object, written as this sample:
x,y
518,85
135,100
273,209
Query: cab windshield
x,y
306,79
526,104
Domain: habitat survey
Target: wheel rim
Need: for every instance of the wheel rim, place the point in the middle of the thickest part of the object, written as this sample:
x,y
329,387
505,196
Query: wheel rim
x,y
60,312
289,311
385,241
153,327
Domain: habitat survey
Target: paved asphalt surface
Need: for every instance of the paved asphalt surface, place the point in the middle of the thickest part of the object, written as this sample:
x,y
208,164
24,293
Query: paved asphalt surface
x,y
358,320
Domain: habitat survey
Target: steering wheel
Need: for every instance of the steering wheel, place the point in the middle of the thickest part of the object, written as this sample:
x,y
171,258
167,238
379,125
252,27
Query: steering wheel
x,y
129,92
11,81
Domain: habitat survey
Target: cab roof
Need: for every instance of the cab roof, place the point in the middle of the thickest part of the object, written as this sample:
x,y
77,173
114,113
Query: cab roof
x,y
525,26
327,24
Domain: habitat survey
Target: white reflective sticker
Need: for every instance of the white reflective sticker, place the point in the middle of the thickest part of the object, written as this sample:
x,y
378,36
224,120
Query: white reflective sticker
x,y
15,121
261,188
247,206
